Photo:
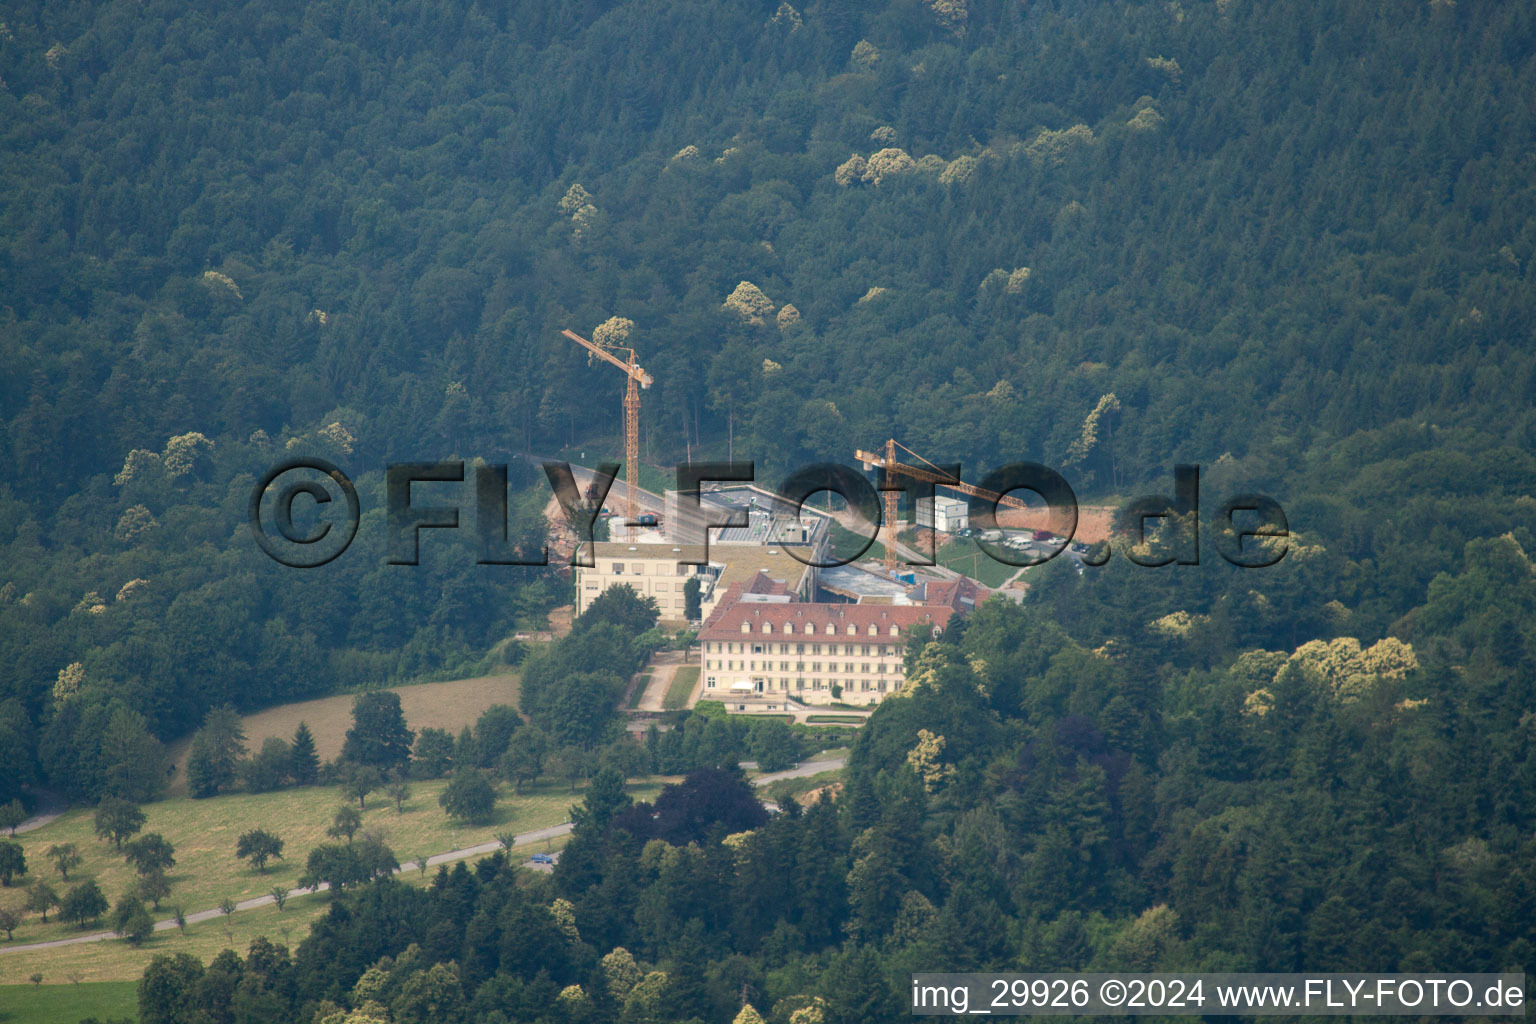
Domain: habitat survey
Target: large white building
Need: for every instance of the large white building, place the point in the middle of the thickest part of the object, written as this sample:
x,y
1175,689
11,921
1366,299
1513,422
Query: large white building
x,y
757,648
662,571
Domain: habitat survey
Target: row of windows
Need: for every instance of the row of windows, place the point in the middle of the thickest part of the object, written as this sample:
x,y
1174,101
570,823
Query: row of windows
x,y
799,666
848,685
865,650
638,569
829,629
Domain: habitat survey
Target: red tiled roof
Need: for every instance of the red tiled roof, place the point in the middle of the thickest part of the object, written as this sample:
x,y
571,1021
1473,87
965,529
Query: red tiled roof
x,y
960,594
726,622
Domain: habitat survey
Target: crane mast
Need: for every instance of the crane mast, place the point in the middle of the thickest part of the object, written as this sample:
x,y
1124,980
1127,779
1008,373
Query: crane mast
x,y
887,461
638,378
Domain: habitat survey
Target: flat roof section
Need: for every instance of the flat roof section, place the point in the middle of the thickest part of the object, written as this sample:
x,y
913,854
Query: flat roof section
x,y
851,581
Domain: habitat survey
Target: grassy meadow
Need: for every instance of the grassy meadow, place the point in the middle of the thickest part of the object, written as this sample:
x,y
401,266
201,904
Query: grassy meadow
x,y
69,1001
446,705
113,960
204,833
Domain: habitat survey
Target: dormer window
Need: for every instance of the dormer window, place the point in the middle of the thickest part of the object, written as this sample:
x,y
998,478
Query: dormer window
x,y
746,627
767,627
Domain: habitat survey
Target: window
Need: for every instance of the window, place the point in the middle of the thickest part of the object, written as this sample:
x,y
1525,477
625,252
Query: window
x,y
618,568
815,648
710,682
757,648
767,627
799,648
662,588
852,629
789,627
746,627
874,630
682,570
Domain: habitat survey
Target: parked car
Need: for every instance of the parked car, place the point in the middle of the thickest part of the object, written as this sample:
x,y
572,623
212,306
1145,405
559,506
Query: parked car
x,y
541,858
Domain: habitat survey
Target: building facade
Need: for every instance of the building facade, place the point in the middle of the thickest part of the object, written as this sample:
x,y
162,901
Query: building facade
x,y
761,647
661,571
947,515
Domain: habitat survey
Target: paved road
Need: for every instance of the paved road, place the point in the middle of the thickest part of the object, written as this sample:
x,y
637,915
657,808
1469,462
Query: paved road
x,y
49,807
800,771
523,839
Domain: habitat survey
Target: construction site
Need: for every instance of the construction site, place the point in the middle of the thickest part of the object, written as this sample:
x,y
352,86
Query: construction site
x,y
781,624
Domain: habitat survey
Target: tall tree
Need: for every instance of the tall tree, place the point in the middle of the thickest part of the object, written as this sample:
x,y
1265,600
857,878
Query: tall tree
x,y
215,753
150,852
13,862
378,737
117,819
83,903
259,846
64,857
304,762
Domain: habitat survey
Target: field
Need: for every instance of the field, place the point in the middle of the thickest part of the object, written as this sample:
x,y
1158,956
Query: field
x,y
204,834
448,705
114,960
845,542
683,682
50,1004
963,556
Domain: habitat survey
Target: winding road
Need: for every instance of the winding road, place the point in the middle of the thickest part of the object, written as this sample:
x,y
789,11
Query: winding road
x,y
522,839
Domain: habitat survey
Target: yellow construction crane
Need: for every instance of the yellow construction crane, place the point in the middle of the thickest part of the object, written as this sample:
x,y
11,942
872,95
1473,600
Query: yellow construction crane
x,y
887,461
631,412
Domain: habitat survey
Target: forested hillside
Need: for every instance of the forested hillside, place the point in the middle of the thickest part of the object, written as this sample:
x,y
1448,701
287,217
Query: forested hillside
x,y
1293,243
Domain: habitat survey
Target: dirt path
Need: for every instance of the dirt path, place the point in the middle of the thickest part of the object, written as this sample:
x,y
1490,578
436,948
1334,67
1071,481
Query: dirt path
x,y
662,668
49,807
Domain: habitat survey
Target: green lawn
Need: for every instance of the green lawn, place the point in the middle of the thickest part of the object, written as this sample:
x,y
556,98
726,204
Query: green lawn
x,y
835,719
845,542
639,691
963,556
57,1004
204,834
682,687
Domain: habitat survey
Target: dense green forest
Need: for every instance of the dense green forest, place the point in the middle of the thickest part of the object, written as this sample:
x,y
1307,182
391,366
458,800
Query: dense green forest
x,y
1292,243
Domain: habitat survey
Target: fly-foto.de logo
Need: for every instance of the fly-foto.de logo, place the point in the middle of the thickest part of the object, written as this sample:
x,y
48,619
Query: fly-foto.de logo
x,y
1249,530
